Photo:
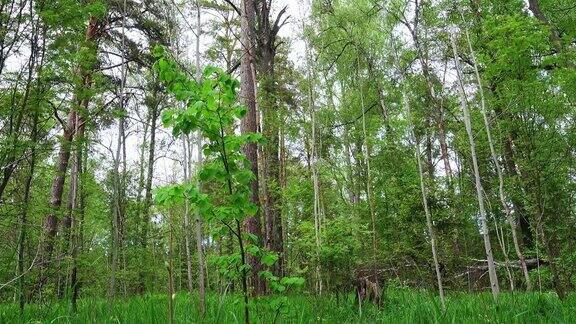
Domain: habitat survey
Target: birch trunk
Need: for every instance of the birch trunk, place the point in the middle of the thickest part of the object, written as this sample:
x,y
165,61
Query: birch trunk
x,y
429,224
198,219
482,218
314,165
369,195
424,192
498,167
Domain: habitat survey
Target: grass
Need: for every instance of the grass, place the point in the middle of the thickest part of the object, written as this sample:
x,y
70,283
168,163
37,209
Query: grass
x,y
401,306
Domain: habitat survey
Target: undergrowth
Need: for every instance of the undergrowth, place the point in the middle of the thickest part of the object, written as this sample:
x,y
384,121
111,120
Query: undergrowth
x,y
401,306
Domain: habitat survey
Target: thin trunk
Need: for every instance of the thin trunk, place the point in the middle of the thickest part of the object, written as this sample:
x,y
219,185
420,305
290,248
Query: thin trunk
x,y
78,209
352,195
440,123
119,181
199,240
142,163
315,180
34,53
501,192
187,178
117,213
429,225
153,112
424,192
171,267
79,239
482,218
502,243
369,195
74,193
24,216
198,219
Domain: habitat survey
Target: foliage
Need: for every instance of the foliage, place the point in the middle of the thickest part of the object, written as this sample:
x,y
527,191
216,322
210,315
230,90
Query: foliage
x,y
211,108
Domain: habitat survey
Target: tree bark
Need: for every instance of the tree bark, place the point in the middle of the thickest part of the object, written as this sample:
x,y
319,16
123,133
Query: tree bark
x,y
24,217
429,224
117,213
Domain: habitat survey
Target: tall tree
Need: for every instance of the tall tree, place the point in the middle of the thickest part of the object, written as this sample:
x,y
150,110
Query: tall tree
x,y
265,54
199,148
81,100
478,183
248,125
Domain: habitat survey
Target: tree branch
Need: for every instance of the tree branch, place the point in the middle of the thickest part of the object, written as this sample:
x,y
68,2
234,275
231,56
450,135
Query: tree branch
x,y
234,7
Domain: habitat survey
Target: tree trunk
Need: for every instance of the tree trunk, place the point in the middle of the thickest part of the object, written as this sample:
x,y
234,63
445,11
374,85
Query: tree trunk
x,y
76,239
198,219
424,192
248,125
439,116
24,216
199,240
494,156
314,167
117,212
51,221
266,54
429,225
369,195
270,121
483,222
170,267
153,112
187,177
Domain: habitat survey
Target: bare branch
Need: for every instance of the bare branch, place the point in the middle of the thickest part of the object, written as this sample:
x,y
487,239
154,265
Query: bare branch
x,y
234,7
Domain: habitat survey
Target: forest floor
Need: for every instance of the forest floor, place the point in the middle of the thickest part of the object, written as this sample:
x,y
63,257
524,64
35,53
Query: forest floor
x,y
401,306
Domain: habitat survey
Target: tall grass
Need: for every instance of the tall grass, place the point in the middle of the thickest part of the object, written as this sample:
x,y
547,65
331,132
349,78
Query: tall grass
x,y
401,306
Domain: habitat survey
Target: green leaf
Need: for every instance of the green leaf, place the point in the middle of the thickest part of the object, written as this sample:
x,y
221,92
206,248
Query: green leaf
x,y
293,281
269,259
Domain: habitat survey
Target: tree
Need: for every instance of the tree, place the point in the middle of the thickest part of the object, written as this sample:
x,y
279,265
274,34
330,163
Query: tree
x,y
248,125
479,190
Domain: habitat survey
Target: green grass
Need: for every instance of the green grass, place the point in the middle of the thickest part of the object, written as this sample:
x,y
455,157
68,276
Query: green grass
x,y
401,306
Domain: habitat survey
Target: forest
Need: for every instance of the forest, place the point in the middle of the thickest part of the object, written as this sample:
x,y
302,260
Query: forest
x,y
287,161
